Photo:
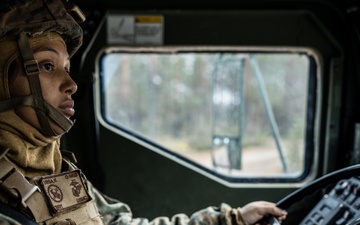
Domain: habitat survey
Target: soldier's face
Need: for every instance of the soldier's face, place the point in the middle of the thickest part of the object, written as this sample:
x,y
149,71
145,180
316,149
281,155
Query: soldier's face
x,y
56,83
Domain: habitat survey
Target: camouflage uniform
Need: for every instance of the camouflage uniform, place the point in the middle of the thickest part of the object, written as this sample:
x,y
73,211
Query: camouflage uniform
x,y
114,212
20,21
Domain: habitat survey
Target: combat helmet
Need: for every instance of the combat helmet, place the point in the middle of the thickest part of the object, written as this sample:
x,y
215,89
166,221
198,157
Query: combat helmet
x,y
21,19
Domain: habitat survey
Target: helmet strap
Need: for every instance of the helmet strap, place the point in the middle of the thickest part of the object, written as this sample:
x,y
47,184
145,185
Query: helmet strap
x,y
43,110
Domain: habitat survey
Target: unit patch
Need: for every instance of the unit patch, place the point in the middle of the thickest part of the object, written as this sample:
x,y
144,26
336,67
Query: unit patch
x,y
65,191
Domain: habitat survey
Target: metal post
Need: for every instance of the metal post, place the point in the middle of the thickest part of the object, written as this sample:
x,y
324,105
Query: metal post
x,y
268,108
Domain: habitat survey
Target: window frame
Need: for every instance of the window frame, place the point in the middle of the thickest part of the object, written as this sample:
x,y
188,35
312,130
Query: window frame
x,y
312,116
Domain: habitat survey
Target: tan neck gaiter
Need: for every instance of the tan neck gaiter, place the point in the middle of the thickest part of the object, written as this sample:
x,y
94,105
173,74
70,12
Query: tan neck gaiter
x,y
30,152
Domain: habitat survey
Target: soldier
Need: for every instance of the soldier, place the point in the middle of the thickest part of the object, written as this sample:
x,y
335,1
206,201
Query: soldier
x,y
39,184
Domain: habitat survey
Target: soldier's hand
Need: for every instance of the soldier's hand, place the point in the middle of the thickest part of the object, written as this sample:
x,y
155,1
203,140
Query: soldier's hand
x,y
255,211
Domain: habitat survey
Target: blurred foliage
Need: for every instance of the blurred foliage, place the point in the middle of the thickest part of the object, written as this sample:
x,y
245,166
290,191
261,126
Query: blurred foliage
x,y
182,100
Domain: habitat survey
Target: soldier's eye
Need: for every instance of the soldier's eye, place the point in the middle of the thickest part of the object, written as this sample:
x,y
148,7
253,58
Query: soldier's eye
x,y
47,66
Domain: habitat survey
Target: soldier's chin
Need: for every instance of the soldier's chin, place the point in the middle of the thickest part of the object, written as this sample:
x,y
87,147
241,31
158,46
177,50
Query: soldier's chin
x,y
28,114
57,129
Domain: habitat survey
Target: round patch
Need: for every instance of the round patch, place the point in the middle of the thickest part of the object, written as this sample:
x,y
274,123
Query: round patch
x,y
55,193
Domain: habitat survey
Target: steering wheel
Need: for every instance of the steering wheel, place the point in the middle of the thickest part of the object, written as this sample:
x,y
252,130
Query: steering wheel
x,y
318,184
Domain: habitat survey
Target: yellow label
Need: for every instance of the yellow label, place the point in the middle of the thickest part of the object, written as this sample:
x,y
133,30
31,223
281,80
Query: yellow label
x,y
148,19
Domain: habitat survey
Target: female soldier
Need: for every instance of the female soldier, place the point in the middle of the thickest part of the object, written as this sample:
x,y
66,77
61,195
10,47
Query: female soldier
x,y
38,182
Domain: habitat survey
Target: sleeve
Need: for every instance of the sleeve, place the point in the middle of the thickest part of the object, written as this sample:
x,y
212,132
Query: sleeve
x,y
115,212
5,220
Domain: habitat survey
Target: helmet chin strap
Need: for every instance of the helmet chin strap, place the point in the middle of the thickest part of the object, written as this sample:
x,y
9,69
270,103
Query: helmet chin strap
x,y
44,111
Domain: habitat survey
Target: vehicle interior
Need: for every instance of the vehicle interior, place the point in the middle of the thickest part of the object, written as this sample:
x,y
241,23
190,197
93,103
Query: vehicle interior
x,y
185,104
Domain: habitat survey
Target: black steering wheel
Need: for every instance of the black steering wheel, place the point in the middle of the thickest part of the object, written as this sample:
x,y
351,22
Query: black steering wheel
x,y
318,184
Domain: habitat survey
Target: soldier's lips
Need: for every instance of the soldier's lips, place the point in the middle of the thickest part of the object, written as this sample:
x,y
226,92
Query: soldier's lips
x,y
67,108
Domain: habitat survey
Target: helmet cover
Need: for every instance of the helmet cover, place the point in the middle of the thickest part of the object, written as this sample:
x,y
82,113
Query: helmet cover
x,y
40,16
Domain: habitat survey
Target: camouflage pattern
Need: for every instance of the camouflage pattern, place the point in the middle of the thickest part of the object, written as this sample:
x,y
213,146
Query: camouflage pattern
x,y
114,212
38,16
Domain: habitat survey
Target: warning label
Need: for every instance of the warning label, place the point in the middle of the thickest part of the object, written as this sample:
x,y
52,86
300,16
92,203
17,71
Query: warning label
x,y
133,30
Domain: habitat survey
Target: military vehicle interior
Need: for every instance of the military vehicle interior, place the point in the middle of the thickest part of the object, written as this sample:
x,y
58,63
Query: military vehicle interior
x,y
186,104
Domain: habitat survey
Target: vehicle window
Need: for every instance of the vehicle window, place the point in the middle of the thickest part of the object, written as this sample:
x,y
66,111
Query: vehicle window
x,y
234,114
